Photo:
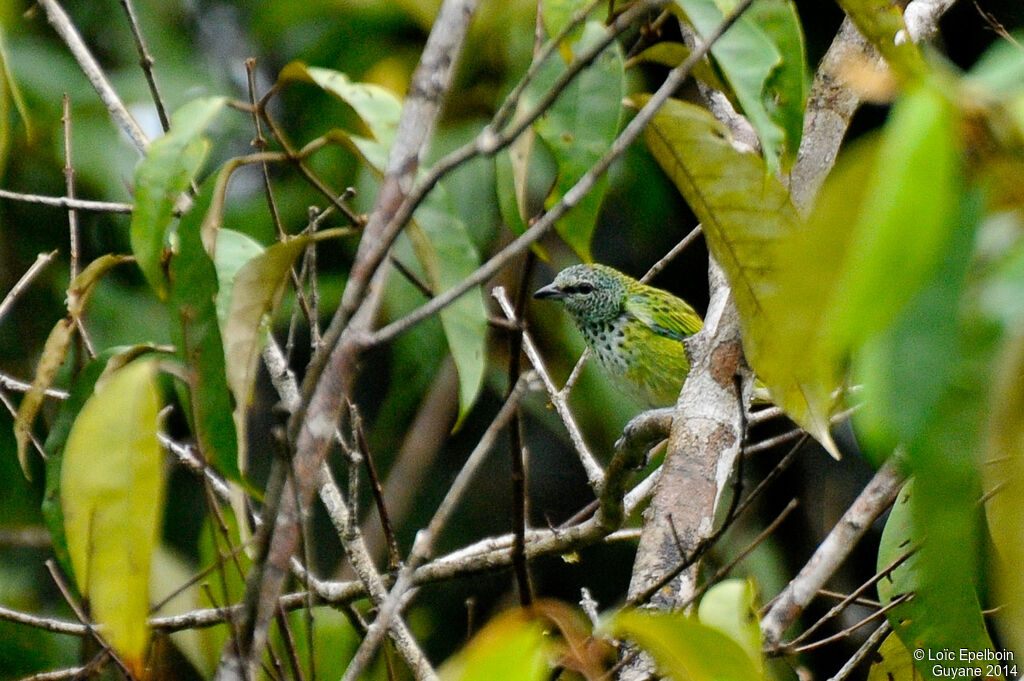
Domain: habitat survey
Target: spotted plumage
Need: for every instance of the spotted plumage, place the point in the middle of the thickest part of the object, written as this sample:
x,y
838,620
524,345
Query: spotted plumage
x,y
635,331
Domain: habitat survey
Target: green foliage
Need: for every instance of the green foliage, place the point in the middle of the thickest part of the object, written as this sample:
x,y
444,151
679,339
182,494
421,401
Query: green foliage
x,y
941,592
197,339
762,59
688,649
56,350
511,646
893,662
439,237
170,165
575,132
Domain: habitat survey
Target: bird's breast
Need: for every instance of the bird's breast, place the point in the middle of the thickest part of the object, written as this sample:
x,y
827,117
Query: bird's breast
x,y
610,345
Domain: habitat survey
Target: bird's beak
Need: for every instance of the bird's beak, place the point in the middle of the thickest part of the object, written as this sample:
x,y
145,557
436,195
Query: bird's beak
x,y
550,291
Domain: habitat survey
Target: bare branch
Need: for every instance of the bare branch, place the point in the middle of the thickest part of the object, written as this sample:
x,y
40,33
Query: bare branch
x,y
876,497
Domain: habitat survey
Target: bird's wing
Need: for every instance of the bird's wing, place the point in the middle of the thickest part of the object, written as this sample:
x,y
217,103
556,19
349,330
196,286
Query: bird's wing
x,y
664,314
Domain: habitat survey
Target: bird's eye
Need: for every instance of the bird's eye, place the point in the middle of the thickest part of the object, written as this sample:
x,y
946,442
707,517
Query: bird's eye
x,y
582,287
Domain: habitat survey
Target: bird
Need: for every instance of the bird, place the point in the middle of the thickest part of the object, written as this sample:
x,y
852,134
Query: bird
x,y
635,331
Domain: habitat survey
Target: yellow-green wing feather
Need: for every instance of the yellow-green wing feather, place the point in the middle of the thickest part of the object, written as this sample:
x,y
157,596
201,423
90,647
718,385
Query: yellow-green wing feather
x,y
662,312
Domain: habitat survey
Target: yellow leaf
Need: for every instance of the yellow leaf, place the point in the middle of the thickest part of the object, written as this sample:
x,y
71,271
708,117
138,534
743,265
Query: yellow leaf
x,y
112,500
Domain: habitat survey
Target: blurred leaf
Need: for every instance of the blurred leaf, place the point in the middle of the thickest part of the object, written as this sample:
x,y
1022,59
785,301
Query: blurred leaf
x,y
762,58
912,193
106,362
879,21
9,93
511,646
893,662
170,164
578,129
334,641
753,232
55,351
556,15
173,587
112,498
1000,68
686,649
196,335
907,368
731,607
923,622
1004,478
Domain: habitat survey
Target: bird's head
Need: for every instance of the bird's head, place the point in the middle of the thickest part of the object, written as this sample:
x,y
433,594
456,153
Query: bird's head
x,y
591,293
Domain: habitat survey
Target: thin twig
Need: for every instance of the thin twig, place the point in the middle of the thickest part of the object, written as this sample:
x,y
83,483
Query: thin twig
x,y
517,450
92,70
423,545
794,644
869,645
673,253
146,62
67,203
394,557
845,633
69,186
41,261
727,568
593,470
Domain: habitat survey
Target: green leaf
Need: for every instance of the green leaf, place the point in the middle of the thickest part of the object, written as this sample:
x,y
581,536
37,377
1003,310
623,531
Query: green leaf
x,y
219,548
196,335
686,649
762,58
731,607
893,662
511,646
879,21
912,196
112,499
376,106
440,239
934,576
447,255
255,289
234,250
173,587
55,351
907,368
753,232
579,128
170,164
